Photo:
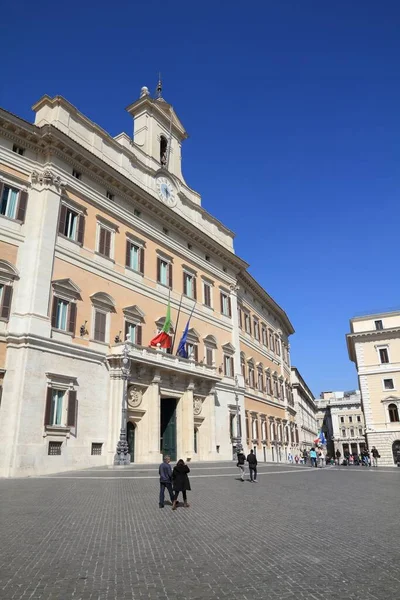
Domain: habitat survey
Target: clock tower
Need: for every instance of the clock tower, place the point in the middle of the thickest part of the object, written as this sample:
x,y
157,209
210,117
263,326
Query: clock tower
x,y
158,134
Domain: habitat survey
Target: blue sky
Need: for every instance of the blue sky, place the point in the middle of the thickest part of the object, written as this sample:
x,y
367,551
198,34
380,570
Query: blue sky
x,y
292,108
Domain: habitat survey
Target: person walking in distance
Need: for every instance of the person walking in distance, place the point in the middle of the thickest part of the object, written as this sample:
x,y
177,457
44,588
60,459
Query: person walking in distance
x,y
305,456
252,460
240,463
338,456
165,472
375,456
180,483
313,457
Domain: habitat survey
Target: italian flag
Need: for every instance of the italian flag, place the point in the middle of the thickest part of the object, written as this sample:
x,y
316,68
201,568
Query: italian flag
x,y
163,338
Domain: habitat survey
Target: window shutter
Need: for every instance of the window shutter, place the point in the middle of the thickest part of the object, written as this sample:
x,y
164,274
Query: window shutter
x,y
196,353
100,327
54,312
184,284
81,229
170,274
72,317
62,219
231,361
222,302
229,306
194,288
1,190
102,240
47,411
126,330
139,335
141,260
158,270
23,200
128,254
107,241
240,317
72,409
207,295
6,304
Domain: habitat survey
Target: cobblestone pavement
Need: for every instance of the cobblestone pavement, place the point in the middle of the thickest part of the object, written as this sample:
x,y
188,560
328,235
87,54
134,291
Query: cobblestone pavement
x,y
299,533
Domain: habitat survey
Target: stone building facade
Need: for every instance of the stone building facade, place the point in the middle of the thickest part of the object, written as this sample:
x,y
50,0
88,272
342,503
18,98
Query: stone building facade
x,y
341,418
306,410
374,346
97,235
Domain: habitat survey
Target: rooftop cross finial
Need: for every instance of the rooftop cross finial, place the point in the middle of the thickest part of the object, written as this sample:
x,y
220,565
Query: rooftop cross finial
x,y
159,87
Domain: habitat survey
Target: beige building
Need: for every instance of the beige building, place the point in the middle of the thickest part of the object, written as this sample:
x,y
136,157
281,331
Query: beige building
x,y
341,418
97,234
306,410
374,346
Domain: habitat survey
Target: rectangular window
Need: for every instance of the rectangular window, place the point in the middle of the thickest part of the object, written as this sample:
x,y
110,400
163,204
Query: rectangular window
x,y
209,357
71,224
9,201
269,384
240,316
251,376
256,328
247,323
228,366
277,347
343,433
192,351
383,355
76,174
260,381
134,257
189,285
18,150
264,336
358,419
360,431
378,325
342,419
96,449
133,332
271,341
104,242
351,432
225,305
54,448
164,272
350,419
63,315
109,195
56,411
207,294
276,388
100,321
5,301
388,384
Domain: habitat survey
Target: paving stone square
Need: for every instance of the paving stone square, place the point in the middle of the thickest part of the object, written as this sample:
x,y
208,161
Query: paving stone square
x,y
299,533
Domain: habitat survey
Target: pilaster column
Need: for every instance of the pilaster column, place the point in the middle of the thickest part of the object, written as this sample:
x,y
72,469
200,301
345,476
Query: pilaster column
x,y
153,414
36,256
188,422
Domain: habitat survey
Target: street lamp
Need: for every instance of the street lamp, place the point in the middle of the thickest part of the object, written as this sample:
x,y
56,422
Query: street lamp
x,y
122,456
238,439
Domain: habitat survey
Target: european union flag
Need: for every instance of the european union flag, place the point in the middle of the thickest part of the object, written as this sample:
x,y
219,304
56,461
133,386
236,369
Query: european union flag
x,y
322,438
182,344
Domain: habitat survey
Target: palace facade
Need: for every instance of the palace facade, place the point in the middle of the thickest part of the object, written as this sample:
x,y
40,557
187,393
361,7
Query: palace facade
x,y
97,235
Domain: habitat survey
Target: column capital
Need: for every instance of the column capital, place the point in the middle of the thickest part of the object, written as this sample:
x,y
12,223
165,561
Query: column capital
x,y
47,178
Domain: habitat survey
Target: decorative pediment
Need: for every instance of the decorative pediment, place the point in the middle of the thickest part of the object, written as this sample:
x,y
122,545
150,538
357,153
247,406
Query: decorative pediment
x,y
66,287
7,271
259,365
133,313
103,300
228,348
210,341
160,324
391,399
193,335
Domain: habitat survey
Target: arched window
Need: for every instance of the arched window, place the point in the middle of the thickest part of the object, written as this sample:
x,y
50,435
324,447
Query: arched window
x,y
393,413
163,150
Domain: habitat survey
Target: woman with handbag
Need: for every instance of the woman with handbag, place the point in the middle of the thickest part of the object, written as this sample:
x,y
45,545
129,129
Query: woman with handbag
x,y
180,483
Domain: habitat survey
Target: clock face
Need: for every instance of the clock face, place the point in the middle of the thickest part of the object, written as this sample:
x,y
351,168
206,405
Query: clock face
x,y
166,191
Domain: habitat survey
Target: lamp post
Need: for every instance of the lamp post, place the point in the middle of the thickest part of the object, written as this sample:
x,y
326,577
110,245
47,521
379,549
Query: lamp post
x,y
122,456
237,441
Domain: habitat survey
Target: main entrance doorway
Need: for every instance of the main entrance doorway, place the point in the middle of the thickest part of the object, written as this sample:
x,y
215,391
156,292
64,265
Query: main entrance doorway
x,y
130,438
396,452
168,427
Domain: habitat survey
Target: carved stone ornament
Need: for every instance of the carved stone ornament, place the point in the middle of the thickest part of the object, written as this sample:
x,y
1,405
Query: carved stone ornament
x,y
197,406
135,396
47,177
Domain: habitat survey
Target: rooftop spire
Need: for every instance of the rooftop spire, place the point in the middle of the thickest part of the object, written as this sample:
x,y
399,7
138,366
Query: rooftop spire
x,y
159,87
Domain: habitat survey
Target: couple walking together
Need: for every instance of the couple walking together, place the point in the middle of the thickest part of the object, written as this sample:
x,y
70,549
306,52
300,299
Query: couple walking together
x,y
252,461
175,481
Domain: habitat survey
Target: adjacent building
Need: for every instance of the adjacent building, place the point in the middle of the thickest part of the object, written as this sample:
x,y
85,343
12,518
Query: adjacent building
x,y
97,235
306,410
374,346
341,418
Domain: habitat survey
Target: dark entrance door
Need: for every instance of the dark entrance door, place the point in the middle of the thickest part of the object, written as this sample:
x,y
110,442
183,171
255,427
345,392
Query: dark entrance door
x,y
168,427
396,452
130,438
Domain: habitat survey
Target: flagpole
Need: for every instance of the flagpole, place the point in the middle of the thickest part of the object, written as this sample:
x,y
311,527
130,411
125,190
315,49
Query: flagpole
x,y
176,327
190,316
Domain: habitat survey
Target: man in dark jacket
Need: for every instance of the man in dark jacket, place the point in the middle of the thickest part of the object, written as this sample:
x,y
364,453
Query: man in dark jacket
x,y
240,463
375,456
251,459
165,472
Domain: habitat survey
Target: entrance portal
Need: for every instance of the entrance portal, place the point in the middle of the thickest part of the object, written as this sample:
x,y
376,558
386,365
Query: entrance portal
x,y
168,427
130,438
396,452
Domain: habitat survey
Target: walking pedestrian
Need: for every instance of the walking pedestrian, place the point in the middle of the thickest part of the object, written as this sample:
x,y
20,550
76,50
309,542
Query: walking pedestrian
x,y
240,463
252,460
180,483
305,456
375,456
313,457
290,458
321,458
338,456
165,472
